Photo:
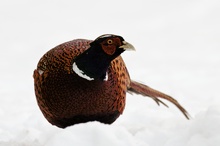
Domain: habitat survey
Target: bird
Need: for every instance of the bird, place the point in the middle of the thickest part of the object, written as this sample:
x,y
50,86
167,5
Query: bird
x,y
87,80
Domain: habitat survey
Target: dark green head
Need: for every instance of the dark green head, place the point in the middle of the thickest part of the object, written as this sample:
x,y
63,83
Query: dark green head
x,y
94,62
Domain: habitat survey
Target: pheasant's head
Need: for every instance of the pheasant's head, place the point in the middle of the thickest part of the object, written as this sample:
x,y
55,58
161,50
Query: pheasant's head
x,y
112,45
94,62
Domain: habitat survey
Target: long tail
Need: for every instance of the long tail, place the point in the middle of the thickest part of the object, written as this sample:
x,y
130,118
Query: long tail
x,y
144,90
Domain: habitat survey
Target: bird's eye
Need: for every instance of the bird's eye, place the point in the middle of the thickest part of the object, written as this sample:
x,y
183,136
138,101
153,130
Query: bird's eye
x,y
110,42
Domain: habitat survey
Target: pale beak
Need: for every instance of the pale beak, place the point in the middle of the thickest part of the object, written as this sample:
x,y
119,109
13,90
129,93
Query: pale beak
x,y
127,46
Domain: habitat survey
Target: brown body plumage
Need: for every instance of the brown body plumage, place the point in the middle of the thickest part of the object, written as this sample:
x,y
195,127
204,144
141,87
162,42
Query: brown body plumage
x,y
66,99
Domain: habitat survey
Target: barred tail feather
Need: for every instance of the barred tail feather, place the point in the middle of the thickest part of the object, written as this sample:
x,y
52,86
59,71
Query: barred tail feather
x,y
145,90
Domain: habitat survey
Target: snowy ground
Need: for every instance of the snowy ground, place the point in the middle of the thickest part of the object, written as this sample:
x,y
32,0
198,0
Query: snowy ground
x,y
178,52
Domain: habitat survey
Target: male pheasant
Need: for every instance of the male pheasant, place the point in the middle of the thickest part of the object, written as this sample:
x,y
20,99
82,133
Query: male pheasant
x,y
84,80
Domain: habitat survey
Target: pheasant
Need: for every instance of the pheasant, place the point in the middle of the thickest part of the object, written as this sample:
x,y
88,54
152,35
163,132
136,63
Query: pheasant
x,y
84,80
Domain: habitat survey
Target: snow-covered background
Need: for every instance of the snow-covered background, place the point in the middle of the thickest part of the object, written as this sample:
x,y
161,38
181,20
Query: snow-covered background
x,y
178,52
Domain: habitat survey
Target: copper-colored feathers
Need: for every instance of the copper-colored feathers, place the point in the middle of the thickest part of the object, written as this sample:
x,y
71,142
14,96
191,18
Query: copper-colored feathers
x,y
66,99
144,90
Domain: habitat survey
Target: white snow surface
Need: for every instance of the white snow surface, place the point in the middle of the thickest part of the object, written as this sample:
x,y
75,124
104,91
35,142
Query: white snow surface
x,y
177,51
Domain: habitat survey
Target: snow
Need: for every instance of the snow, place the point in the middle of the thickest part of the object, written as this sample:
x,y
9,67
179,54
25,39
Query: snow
x,y
177,51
